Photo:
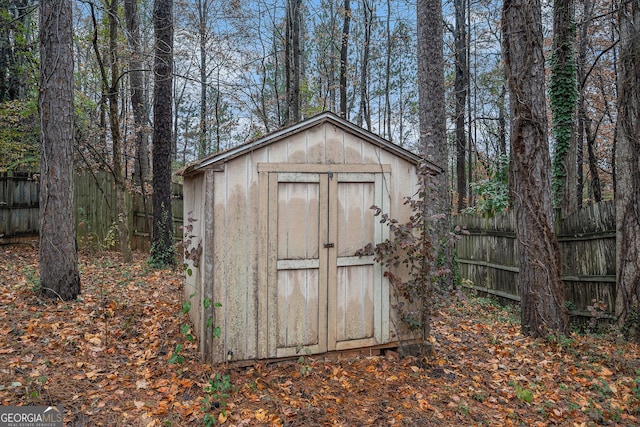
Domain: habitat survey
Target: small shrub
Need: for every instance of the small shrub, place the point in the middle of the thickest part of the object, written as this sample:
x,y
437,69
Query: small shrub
x,y
216,395
415,247
524,394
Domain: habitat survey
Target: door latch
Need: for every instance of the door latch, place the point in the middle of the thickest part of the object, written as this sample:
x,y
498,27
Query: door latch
x,y
328,245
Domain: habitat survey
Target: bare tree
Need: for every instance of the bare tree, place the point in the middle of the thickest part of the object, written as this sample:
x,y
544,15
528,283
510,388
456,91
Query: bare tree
x,y
110,88
627,159
138,97
58,258
460,86
541,290
585,127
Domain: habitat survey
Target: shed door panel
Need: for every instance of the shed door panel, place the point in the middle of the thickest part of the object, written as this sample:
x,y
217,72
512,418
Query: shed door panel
x,y
358,280
298,302
300,288
321,296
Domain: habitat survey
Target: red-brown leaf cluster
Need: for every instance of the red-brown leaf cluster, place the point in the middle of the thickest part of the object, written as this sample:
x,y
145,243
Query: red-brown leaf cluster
x,y
105,358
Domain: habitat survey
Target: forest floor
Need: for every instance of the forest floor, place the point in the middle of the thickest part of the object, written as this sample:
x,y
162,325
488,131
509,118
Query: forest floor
x,y
110,358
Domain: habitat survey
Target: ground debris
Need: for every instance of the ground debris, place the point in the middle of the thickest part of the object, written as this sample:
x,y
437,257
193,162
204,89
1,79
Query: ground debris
x,y
110,358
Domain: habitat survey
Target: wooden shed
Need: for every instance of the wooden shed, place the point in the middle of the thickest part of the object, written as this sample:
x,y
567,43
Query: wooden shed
x,y
278,221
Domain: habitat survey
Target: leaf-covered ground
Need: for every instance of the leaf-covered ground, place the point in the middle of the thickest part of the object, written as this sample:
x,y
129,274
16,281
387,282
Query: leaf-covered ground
x,y
106,359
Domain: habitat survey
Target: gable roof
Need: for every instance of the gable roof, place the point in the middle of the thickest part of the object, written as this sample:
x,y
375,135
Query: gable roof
x,y
325,117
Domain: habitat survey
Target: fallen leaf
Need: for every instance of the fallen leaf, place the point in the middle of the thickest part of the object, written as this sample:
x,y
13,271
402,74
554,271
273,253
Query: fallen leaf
x,y
606,371
261,415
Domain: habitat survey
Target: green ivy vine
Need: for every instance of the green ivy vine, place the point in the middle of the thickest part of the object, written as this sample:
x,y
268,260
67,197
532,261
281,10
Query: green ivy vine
x,y
563,94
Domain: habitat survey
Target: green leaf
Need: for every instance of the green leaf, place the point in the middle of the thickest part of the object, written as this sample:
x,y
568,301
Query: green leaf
x,y
186,307
176,357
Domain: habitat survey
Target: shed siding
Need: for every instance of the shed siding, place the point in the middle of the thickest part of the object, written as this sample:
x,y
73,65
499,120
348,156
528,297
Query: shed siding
x,y
316,147
334,147
236,278
194,199
208,266
233,200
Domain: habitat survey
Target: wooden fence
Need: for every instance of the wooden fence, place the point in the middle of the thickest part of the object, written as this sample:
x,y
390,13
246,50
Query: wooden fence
x,y
489,261
95,210
18,205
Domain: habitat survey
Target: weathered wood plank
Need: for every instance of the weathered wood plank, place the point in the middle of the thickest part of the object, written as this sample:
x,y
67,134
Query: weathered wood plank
x,y
355,303
323,168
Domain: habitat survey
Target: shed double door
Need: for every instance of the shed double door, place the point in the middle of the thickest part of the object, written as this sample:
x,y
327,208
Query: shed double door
x,y
321,297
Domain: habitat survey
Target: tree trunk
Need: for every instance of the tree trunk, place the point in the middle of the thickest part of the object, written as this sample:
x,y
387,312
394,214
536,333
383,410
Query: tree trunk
x,y
593,162
6,54
364,115
217,107
276,80
583,122
613,35
563,95
138,102
114,119
433,137
292,62
541,290
162,249
15,48
344,51
502,120
59,277
581,110
431,94
203,6
331,75
138,98
460,86
627,160
296,54
110,87
387,78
